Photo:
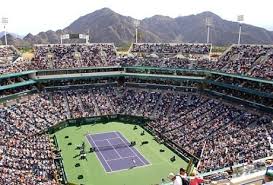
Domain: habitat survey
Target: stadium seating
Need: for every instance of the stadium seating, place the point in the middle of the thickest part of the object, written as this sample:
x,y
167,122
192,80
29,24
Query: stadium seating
x,y
66,56
7,54
220,133
169,48
22,151
244,59
201,125
252,60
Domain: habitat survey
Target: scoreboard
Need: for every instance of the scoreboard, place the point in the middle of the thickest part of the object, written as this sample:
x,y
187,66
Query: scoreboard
x,y
75,36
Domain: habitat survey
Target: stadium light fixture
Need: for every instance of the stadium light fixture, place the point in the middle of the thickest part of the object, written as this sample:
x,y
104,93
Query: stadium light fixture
x,y
136,23
63,37
240,19
208,24
5,22
88,37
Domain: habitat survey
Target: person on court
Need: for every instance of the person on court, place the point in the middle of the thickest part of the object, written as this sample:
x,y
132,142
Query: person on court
x,y
134,162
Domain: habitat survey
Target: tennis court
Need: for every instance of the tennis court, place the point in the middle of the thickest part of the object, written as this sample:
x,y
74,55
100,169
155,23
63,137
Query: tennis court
x,y
114,152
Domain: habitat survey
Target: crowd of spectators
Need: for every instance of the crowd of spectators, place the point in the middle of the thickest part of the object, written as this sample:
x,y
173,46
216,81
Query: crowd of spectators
x,y
252,60
264,68
19,90
65,56
19,66
169,48
244,95
73,56
221,134
26,154
242,59
245,139
7,54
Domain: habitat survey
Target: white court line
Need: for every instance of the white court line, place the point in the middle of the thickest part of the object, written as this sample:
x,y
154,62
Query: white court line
x,y
121,158
143,166
87,135
140,154
110,145
114,149
126,169
130,149
102,133
101,155
106,139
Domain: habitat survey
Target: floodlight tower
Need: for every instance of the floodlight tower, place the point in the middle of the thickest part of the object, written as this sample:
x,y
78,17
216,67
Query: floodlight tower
x,y
240,19
61,39
5,22
88,37
208,24
136,23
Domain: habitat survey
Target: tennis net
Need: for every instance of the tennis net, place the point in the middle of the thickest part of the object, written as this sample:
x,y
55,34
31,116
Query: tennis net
x,y
111,147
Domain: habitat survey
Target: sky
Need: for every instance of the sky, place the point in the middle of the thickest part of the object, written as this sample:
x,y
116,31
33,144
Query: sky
x,y
34,16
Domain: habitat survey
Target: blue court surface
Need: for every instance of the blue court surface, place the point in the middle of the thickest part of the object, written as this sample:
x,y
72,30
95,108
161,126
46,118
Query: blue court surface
x,y
114,152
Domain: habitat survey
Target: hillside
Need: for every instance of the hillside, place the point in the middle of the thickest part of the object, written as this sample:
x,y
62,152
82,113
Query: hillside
x,y
105,25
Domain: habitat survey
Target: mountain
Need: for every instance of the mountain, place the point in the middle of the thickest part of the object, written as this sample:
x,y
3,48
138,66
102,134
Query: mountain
x,y
105,25
14,41
192,28
2,33
44,37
